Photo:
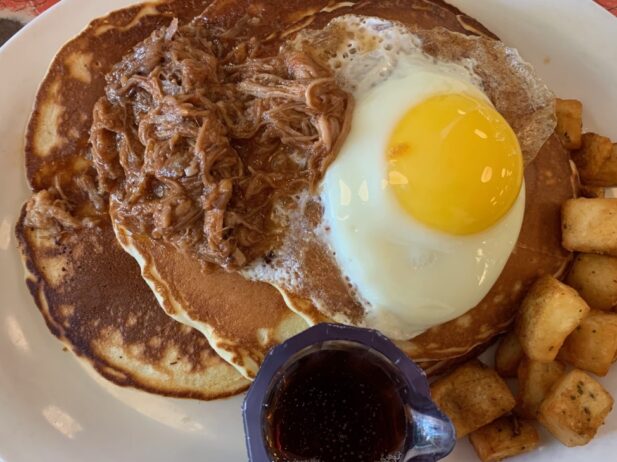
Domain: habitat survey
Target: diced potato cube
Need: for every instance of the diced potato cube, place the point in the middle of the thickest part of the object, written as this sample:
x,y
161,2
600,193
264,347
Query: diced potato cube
x,y
607,174
505,437
535,379
593,344
508,355
549,313
594,151
595,279
473,395
590,225
592,192
596,161
575,408
569,122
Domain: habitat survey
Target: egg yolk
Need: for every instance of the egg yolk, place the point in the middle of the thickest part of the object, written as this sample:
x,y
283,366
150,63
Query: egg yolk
x,y
454,164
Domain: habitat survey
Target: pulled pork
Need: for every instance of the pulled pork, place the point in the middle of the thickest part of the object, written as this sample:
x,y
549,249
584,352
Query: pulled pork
x,y
49,212
197,140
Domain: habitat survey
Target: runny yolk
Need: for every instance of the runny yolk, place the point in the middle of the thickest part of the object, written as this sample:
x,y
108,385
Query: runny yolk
x,y
454,164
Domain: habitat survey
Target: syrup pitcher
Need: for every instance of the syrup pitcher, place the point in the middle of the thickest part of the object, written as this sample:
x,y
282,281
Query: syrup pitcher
x,y
341,393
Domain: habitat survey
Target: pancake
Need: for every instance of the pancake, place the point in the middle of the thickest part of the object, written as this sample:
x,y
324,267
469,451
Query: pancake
x,y
94,300
190,303
244,335
241,319
88,290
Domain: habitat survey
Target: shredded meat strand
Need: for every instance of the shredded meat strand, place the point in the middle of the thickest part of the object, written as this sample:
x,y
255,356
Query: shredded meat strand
x,y
197,140
53,214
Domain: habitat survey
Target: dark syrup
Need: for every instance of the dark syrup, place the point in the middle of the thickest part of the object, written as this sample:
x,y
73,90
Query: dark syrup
x,y
336,406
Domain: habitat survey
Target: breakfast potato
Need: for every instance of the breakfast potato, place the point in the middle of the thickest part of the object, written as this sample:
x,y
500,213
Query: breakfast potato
x,y
596,161
535,380
575,408
591,192
505,437
473,395
549,313
593,344
508,355
590,225
569,114
595,279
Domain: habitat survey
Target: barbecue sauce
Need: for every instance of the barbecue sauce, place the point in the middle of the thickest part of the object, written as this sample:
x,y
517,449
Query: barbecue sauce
x,y
336,405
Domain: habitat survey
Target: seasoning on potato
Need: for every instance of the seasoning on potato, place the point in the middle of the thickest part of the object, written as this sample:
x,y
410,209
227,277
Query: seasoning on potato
x,y
575,408
590,225
595,279
505,437
472,396
549,313
593,344
596,160
569,114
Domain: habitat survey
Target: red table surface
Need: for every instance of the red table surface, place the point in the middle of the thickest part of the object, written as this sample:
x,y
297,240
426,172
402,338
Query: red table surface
x,y
29,8
610,5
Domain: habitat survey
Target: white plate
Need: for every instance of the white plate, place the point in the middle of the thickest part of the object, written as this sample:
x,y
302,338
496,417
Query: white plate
x,y
52,409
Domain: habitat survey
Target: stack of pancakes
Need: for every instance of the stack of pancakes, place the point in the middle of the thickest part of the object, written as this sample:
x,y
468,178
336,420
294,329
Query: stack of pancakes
x,y
178,327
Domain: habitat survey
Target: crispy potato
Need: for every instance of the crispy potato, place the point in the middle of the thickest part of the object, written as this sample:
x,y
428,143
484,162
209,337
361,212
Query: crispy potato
x,y
549,313
569,114
505,437
535,379
508,355
607,176
595,279
575,408
590,225
591,192
594,151
473,395
593,344
596,161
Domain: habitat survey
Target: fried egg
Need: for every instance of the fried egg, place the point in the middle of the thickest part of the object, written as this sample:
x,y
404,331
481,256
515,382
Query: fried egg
x,y
424,203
